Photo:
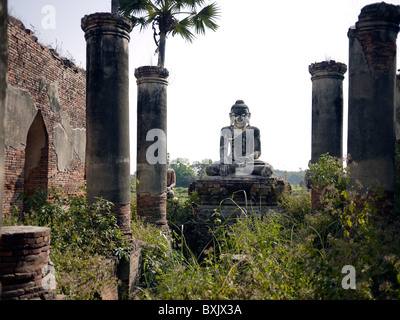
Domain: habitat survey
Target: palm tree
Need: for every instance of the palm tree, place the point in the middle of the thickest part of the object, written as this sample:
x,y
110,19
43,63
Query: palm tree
x,y
171,16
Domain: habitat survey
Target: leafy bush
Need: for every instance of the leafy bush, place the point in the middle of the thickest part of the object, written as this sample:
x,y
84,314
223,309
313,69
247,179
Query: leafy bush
x,y
85,240
352,229
297,252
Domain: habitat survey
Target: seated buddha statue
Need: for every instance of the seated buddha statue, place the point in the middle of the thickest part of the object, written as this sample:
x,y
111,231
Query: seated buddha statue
x,y
171,181
240,147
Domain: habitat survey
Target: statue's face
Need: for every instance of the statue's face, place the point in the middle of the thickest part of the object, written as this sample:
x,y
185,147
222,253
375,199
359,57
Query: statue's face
x,y
240,117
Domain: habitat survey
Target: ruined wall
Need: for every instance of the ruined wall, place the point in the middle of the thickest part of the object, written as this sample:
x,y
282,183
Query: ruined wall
x,y
45,119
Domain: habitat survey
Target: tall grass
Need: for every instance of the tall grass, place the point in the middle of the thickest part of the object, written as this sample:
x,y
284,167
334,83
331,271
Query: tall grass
x,y
291,253
294,252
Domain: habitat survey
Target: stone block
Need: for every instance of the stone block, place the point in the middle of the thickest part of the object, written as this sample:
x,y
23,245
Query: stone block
x,y
250,191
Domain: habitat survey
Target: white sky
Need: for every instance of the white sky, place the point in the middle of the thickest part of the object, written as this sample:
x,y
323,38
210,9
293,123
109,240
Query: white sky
x,y
260,54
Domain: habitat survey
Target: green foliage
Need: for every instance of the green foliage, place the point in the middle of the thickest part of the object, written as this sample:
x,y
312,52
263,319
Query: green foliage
x,y
199,167
187,173
293,177
82,275
298,204
167,15
171,17
352,229
83,237
327,172
295,252
184,172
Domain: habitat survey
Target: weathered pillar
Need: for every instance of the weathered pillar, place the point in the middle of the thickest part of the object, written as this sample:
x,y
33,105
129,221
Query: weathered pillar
x,y
107,112
327,108
397,146
397,112
372,85
327,113
3,90
152,145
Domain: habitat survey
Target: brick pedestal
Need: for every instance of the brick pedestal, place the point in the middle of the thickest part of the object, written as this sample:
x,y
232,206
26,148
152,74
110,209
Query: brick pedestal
x,y
24,264
153,209
253,193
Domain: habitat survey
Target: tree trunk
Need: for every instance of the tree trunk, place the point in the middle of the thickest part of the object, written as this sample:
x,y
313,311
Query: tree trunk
x,y
114,6
161,49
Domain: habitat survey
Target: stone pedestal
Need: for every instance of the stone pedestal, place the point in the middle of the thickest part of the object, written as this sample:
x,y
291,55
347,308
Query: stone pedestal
x,y
226,194
24,264
152,145
327,109
107,112
372,80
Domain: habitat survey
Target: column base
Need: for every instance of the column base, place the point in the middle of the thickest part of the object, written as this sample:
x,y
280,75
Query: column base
x,y
153,209
123,214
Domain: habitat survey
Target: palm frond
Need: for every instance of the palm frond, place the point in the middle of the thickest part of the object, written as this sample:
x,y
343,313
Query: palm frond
x,y
140,21
206,18
165,14
135,7
182,28
190,4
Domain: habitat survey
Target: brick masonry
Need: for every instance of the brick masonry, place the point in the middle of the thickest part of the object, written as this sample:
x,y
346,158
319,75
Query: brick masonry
x,y
24,260
153,208
53,91
252,193
57,88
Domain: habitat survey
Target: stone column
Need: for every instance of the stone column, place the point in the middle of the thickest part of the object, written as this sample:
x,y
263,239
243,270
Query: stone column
x,y
327,108
3,90
107,112
397,112
372,81
152,145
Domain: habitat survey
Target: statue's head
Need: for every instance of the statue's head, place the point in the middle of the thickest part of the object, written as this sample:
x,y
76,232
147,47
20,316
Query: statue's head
x,y
240,115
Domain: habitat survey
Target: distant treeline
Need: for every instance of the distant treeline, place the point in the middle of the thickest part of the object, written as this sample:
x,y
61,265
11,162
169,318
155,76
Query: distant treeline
x,y
187,172
293,177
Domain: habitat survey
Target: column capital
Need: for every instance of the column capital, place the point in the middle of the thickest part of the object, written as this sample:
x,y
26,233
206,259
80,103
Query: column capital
x,y
327,69
106,23
148,74
379,16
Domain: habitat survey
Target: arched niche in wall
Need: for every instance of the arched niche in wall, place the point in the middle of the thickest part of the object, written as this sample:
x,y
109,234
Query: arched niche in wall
x,y
36,158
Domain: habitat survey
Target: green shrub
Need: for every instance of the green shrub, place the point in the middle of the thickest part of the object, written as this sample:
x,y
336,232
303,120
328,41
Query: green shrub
x,y
351,229
294,252
83,237
291,253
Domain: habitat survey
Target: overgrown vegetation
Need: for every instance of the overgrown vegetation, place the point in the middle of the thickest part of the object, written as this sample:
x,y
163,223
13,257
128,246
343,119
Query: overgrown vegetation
x,y
85,240
296,252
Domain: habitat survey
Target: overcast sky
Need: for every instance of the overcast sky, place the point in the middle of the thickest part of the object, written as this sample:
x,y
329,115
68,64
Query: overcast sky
x,y
260,54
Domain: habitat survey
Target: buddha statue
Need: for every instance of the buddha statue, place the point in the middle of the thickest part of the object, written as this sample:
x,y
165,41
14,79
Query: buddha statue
x,y
240,147
171,181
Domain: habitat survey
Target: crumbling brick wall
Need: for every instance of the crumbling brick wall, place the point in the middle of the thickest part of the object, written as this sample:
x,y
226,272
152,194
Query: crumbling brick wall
x,y
45,119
